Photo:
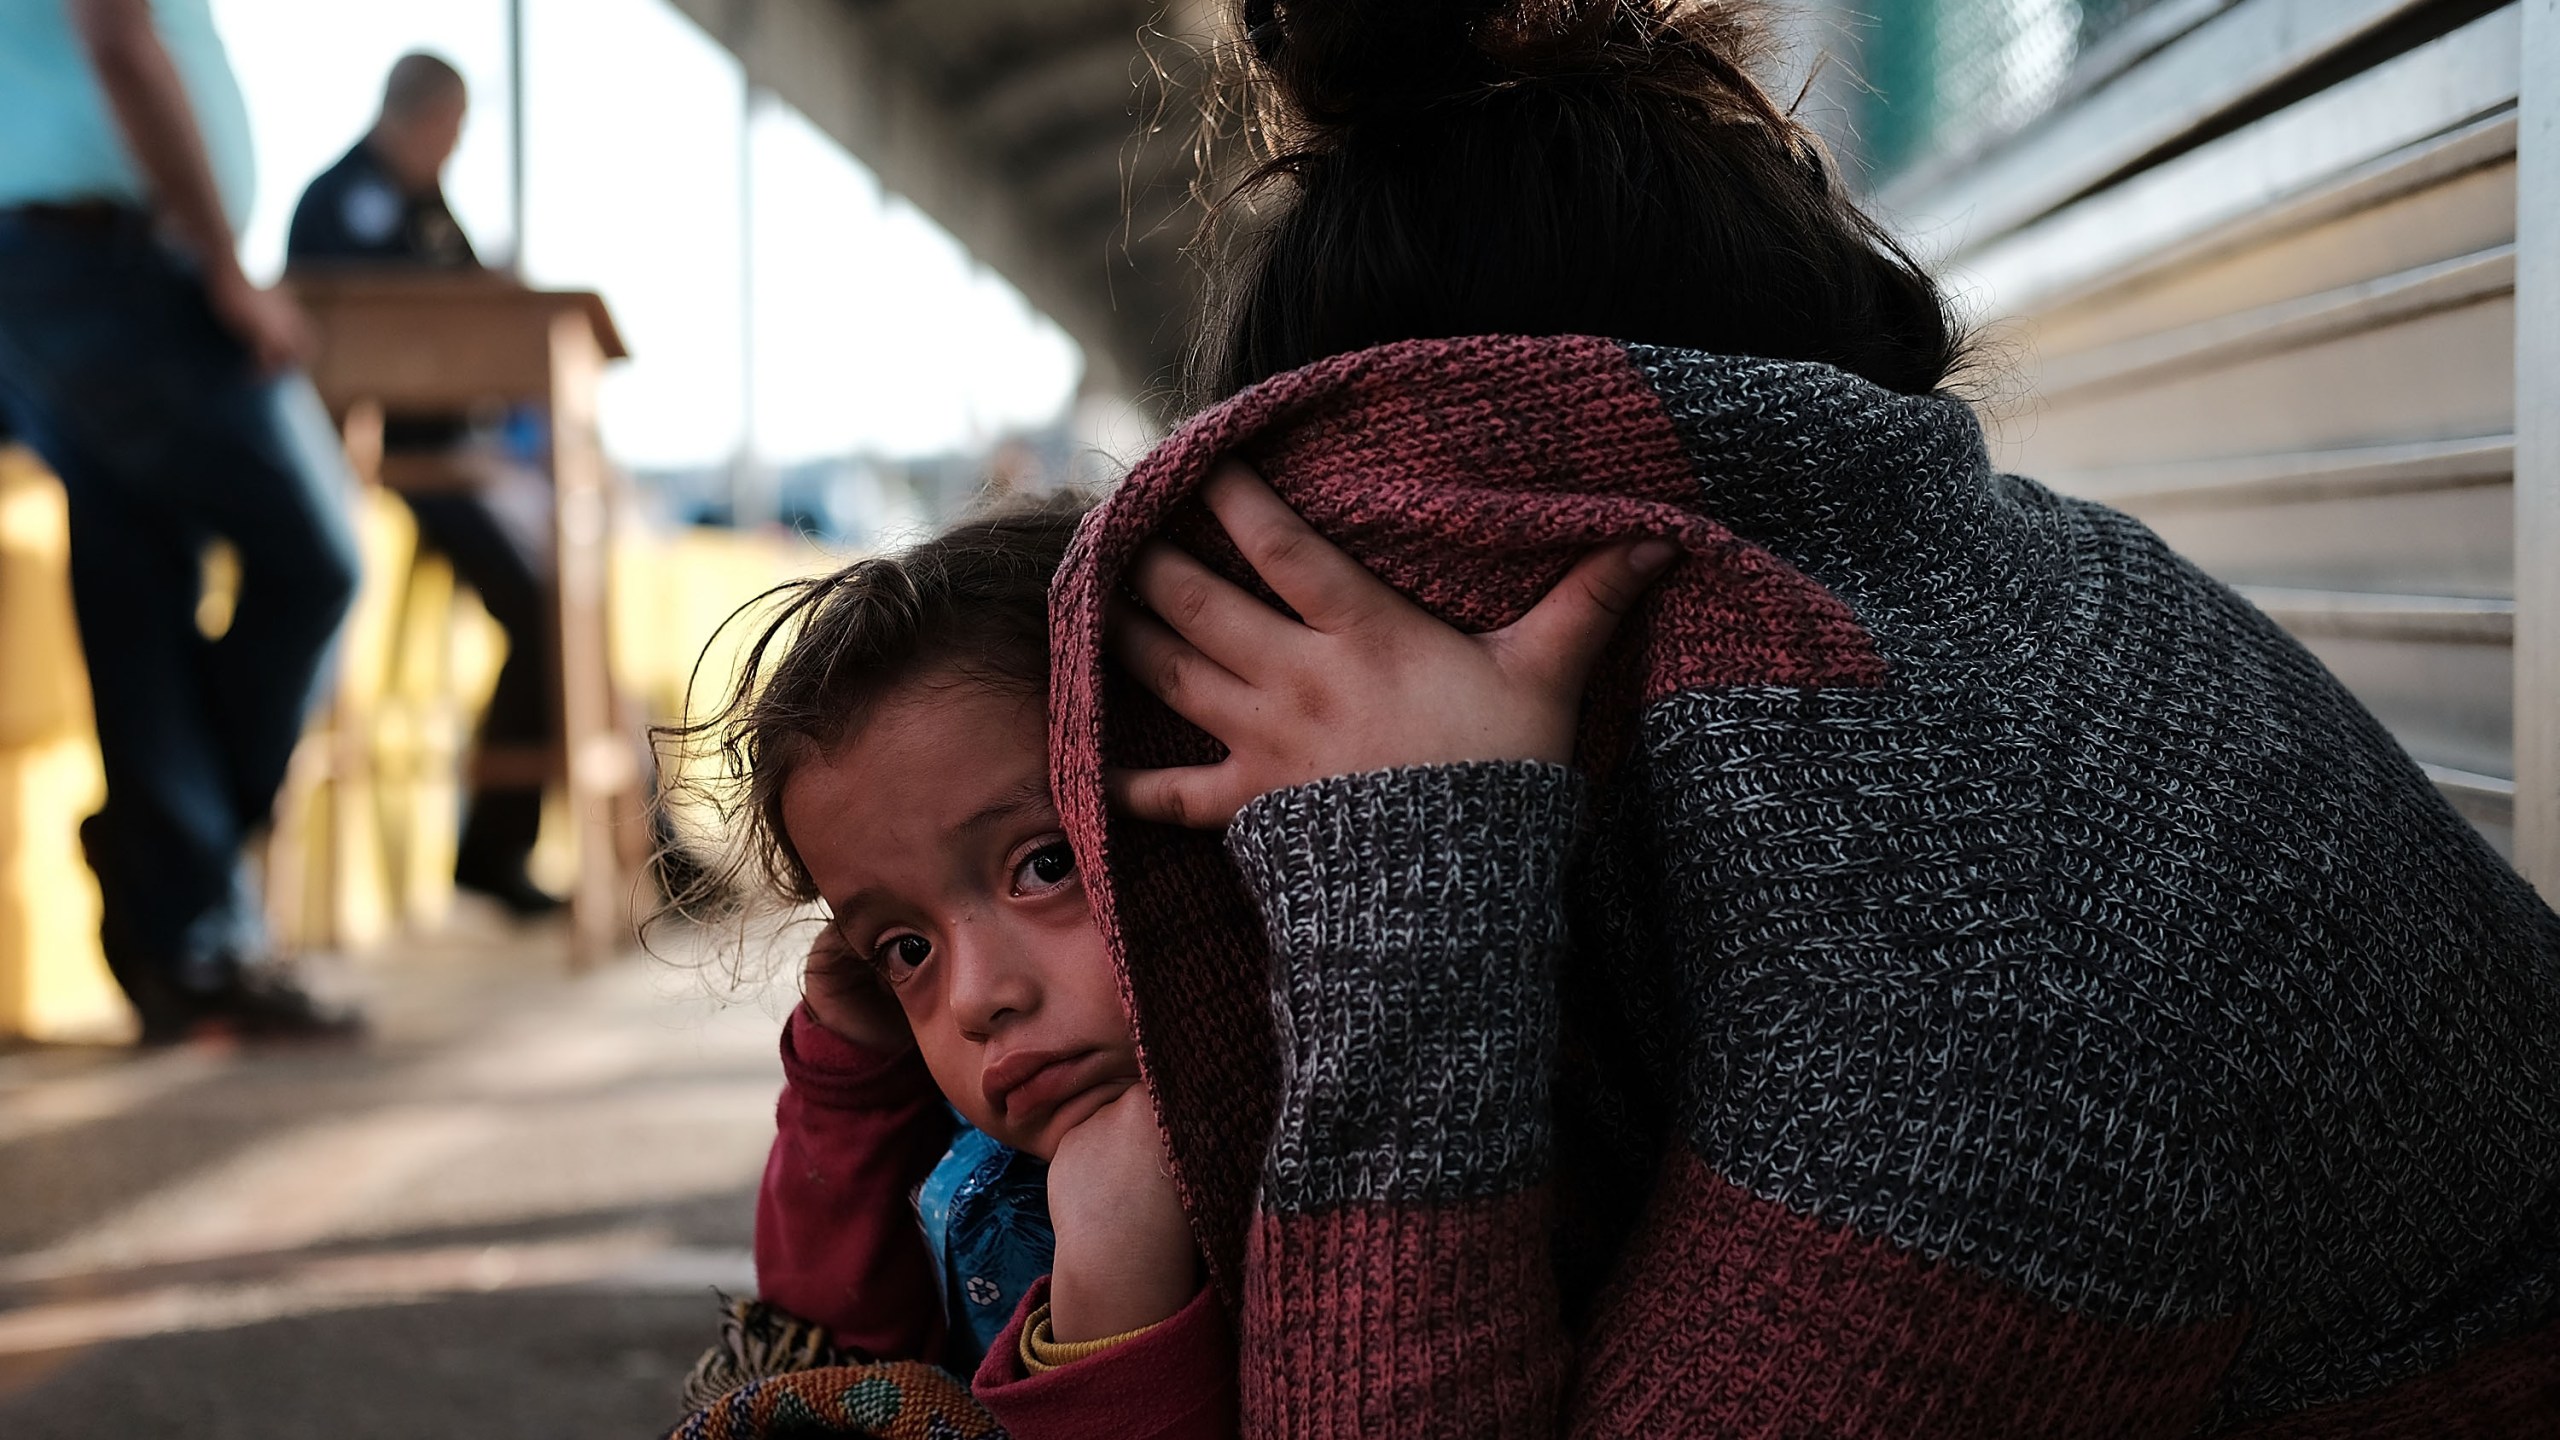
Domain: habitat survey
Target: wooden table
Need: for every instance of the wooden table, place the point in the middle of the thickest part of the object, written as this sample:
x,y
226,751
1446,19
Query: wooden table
x,y
446,343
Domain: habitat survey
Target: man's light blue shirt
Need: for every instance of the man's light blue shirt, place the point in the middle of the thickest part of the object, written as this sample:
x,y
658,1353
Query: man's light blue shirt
x,y
58,139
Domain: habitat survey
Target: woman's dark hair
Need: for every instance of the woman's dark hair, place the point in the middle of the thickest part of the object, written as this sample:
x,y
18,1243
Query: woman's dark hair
x,y
1543,167
972,602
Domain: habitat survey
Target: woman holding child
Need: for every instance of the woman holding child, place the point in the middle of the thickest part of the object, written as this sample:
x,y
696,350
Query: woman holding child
x,y
1522,883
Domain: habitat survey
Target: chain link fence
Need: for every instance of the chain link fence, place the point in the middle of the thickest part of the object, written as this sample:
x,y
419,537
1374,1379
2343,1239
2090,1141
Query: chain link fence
x,y
1947,76
2101,18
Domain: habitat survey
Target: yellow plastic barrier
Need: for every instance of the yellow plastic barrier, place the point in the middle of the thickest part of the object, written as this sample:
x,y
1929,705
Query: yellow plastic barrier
x,y
53,982
673,596
377,788
365,828
673,590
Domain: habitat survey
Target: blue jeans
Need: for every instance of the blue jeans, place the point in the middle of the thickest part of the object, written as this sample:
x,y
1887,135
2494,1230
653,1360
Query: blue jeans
x,y
113,368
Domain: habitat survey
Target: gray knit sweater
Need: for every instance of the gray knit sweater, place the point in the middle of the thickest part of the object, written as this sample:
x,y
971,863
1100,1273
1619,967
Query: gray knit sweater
x,y
2003,984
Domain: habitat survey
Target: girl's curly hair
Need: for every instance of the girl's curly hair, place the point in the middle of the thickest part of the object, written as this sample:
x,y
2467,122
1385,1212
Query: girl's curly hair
x,y
973,600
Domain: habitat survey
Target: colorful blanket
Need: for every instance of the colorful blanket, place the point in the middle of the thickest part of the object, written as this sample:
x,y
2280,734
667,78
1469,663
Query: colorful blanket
x,y
886,1400
773,1376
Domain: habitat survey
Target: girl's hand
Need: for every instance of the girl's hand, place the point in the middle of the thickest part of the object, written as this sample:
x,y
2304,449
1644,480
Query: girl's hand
x,y
1367,681
846,995
1125,1254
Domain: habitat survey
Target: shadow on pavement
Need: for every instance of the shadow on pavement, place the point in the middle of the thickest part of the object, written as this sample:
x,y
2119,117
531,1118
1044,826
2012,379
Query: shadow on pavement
x,y
568,1364
506,1214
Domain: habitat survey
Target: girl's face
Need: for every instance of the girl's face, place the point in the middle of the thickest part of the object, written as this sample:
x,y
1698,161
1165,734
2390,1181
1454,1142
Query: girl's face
x,y
933,838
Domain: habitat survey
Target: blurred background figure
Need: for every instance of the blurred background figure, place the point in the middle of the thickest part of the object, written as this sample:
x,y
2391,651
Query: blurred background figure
x,y
384,199
154,378
487,511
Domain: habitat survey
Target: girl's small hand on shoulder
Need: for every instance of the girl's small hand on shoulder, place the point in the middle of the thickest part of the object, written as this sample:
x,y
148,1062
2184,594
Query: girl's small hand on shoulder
x,y
843,990
1365,679
1125,1253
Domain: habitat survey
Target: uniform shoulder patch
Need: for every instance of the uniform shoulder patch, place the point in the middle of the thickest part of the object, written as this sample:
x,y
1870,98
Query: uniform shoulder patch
x,y
370,211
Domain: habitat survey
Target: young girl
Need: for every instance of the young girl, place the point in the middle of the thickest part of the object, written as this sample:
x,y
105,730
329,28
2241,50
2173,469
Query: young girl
x,y
962,1056
961,1030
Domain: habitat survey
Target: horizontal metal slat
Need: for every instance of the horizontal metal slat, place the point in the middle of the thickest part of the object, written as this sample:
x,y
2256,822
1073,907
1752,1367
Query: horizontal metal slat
x,y
2211,70
2488,791
2290,324
2460,215
2408,123
2108,264
2448,374
2449,704
2134,39
2432,542
2487,801
2441,619
2303,475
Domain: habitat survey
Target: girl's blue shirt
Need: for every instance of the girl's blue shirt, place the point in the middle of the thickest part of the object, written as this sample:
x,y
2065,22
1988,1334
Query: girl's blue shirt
x,y
986,1214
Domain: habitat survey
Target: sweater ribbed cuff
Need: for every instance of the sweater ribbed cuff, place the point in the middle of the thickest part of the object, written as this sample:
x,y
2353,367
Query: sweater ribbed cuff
x,y
1043,1352
1414,918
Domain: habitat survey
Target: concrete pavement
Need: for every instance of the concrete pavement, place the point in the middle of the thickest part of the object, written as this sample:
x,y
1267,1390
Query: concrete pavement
x,y
503,1215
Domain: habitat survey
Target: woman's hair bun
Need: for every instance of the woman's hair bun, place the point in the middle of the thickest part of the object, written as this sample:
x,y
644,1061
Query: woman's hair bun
x,y
1422,168
1335,60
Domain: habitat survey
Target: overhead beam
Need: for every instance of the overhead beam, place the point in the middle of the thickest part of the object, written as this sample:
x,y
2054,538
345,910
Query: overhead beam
x,y
831,61
1097,77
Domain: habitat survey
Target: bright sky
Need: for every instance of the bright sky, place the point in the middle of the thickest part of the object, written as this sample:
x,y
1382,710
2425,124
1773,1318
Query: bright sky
x,y
874,330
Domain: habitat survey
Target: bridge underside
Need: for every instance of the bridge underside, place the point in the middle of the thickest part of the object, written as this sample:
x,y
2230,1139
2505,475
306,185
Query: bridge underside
x,y
1053,137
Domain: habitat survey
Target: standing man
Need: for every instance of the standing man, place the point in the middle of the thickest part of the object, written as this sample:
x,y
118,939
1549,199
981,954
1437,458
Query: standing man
x,y
156,380
383,204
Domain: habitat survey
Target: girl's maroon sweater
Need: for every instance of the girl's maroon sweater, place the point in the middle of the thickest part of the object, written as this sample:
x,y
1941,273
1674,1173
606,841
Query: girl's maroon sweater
x,y
837,1243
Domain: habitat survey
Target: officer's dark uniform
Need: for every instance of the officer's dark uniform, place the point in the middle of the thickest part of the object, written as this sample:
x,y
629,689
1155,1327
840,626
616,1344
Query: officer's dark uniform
x,y
355,214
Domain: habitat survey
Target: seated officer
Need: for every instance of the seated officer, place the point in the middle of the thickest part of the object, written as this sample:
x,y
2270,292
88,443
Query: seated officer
x,y
383,204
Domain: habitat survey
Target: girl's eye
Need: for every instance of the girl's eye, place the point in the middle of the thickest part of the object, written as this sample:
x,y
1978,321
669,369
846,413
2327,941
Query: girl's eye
x,y
901,954
1046,868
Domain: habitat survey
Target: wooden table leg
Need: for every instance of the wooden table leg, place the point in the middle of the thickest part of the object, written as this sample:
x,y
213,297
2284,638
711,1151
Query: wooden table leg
x,y
600,763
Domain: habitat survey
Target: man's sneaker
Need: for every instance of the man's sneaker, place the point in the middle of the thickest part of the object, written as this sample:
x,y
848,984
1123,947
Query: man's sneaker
x,y
168,1021
167,1013
515,890
260,1002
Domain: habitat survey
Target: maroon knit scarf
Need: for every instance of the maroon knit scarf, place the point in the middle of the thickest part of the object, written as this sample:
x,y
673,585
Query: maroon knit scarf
x,y
1470,475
